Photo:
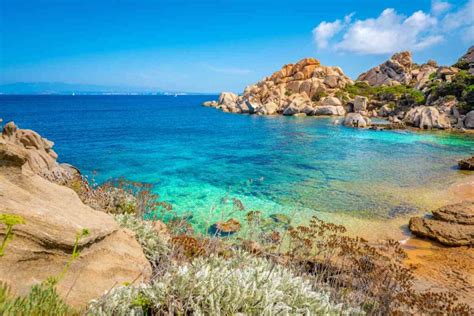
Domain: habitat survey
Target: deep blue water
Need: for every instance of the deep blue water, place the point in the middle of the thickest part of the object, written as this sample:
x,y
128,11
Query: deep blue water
x,y
197,155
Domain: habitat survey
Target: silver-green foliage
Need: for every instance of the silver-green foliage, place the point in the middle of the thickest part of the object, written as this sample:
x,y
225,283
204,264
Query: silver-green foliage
x,y
152,243
215,286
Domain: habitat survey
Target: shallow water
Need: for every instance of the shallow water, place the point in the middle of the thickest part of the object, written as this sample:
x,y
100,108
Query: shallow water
x,y
197,155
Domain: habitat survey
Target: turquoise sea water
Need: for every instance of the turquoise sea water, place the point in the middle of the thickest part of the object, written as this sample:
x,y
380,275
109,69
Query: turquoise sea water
x,y
196,156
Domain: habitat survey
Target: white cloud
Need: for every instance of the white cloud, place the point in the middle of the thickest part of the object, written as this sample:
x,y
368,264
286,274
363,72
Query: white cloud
x,y
326,30
390,31
439,7
463,17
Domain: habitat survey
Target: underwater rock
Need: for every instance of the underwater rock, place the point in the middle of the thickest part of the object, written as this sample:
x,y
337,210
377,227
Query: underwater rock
x,y
466,164
224,229
281,219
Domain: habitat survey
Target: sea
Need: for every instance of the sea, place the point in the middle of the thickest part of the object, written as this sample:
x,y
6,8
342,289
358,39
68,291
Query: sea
x,y
198,158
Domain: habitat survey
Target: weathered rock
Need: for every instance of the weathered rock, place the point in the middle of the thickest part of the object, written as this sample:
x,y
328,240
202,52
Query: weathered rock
x,y
356,120
289,91
385,110
331,101
299,104
427,117
460,213
360,104
469,120
32,152
268,108
210,104
447,233
394,71
42,246
466,164
329,110
468,59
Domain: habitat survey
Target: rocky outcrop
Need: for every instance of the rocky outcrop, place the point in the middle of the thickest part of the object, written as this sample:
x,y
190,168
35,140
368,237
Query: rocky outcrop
x,y
466,164
469,120
392,72
53,216
34,153
427,117
295,89
460,213
400,69
452,225
467,60
357,120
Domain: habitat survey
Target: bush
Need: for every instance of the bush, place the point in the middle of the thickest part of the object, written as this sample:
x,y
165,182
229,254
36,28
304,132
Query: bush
x,y
385,93
462,64
462,87
214,286
152,243
42,299
318,96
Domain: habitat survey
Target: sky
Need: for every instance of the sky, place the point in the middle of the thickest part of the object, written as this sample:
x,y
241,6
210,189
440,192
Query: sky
x,y
213,46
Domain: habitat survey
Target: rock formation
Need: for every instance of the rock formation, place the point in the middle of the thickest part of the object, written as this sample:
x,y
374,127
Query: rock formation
x,y
399,69
452,225
356,120
425,96
35,151
469,120
427,117
466,164
295,89
468,60
53,216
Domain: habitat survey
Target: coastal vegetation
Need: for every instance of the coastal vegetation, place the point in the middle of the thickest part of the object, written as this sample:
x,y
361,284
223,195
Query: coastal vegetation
x,y
247,262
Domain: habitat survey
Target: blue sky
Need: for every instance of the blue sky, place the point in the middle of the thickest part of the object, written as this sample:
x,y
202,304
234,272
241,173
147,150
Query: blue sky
x,y
212,46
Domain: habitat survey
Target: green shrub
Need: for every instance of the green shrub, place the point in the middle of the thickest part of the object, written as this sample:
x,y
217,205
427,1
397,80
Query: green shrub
x,y
461,87
42,299
216,286
152,243
387,93
9,220
318,96
462,64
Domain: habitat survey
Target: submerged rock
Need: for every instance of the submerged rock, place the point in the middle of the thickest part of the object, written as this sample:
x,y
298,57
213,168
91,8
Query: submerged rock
x,y
281,219
466,164
224,229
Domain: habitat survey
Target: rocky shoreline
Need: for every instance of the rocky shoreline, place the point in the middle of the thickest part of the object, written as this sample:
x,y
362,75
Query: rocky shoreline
x,y
406,94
